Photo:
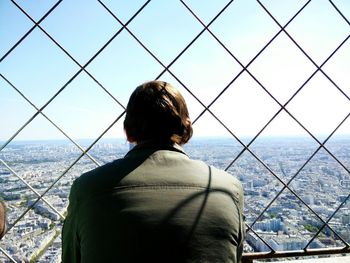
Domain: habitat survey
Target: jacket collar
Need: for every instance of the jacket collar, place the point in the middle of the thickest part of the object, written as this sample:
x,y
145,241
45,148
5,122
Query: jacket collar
x,y
156,146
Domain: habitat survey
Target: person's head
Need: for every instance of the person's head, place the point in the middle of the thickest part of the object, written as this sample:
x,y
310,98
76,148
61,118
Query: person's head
x,y
156,111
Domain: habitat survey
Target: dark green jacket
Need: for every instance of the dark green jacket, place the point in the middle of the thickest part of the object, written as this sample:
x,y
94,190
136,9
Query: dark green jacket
x,y
154,205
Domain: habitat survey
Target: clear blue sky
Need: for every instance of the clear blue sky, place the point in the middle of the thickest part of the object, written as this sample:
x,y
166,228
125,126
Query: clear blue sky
x,y
38,68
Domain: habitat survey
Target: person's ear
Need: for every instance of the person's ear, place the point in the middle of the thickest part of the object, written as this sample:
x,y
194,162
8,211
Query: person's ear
x,y
130,139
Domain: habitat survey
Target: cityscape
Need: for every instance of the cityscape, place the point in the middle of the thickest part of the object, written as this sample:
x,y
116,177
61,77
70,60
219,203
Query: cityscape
x,y
292,187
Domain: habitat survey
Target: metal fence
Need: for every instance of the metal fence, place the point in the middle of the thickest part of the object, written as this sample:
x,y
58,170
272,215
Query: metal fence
x,y
123,28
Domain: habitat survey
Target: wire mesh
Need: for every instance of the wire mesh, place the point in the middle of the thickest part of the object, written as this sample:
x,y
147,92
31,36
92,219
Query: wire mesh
x,y
206,107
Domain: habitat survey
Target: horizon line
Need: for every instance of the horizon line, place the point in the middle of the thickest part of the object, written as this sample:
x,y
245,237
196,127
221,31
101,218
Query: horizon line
x,y
289,136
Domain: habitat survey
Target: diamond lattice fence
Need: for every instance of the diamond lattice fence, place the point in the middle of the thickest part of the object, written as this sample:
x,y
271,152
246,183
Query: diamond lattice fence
x,y
266,82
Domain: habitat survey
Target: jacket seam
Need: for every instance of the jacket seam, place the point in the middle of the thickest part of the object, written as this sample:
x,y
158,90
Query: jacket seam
x,y
170,187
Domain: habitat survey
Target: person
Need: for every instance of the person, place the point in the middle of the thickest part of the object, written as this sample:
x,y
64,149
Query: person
x,y
155,204
2,219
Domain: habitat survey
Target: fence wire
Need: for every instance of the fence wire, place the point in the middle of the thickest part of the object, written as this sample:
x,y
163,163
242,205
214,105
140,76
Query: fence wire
x,y
206,108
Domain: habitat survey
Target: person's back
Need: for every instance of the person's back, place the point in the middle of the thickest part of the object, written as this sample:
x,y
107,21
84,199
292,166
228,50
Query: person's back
x,y
154,205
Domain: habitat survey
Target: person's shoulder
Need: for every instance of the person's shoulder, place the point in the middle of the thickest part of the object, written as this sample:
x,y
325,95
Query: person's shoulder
x,y
226,181
98,172
226,176
219,174
97,178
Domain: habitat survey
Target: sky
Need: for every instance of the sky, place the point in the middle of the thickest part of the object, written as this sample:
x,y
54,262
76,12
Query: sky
x,y
38,68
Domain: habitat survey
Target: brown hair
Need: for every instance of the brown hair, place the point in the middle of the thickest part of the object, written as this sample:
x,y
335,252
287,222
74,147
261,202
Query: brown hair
x,y
156,111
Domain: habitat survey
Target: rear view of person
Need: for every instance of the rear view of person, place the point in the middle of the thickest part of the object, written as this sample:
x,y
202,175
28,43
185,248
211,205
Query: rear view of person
x,y
155,204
